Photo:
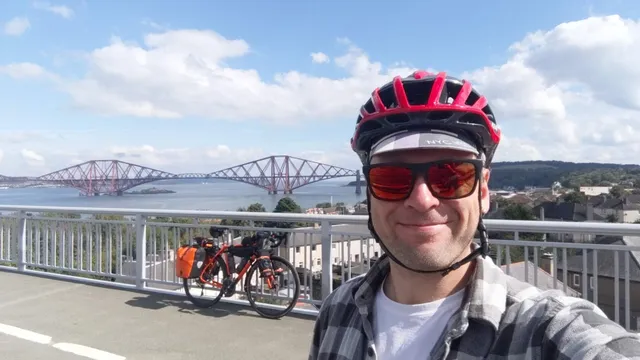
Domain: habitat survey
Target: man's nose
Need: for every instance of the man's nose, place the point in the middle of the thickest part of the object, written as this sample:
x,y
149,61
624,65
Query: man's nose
x,y
421,197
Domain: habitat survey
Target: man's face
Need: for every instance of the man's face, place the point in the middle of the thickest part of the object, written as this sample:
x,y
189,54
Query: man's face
x,y
422,231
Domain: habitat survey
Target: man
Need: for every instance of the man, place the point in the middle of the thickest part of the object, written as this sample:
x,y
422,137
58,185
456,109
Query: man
x,y
426,143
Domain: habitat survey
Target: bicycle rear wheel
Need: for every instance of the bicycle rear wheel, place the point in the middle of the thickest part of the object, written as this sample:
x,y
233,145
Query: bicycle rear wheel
x,y
273,305
213,294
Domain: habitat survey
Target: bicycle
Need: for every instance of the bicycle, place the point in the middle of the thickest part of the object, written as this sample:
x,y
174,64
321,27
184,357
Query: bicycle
x,y
203,260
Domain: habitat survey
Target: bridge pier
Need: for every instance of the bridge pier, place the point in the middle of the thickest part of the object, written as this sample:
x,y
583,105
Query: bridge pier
x,y
275,192
358,187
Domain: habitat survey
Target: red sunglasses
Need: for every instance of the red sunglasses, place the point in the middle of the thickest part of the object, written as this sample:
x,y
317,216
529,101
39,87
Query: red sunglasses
x,y
446,179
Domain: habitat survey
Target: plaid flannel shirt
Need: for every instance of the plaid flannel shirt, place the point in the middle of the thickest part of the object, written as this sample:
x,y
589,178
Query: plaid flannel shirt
x,y
501,318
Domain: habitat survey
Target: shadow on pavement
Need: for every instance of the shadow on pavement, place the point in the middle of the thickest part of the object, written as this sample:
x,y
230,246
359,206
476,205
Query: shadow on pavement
x,y
161,301
150,300
221,309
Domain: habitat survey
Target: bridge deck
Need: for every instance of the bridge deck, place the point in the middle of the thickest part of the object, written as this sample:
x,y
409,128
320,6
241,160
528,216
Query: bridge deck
x,y
66,317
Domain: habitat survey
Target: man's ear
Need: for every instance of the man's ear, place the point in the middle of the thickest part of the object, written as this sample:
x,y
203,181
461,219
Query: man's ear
x,y
484,188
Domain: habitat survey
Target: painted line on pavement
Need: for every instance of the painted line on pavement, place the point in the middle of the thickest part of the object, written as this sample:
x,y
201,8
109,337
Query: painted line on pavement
x,y
80,350
87,352
25,334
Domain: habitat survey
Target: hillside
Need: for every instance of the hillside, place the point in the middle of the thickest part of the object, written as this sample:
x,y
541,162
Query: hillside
x,y
521,174
544,173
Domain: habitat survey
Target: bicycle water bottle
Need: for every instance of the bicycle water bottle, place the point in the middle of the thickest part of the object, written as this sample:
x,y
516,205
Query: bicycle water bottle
x,y
265,266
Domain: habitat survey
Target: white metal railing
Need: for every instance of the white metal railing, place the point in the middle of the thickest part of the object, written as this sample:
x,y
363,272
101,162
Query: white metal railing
x,y
105,243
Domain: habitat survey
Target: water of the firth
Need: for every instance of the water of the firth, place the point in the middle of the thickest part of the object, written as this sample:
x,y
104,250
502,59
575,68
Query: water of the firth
x,y
213,195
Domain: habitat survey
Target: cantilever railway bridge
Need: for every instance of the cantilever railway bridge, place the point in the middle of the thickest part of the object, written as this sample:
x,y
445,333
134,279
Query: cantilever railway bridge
x,y
276,174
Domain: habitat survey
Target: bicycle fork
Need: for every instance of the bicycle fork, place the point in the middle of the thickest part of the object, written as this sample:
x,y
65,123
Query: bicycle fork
x,y
267,271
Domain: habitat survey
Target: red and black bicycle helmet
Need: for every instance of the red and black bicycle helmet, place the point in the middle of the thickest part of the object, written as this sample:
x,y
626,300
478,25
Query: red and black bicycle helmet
x,y
426,101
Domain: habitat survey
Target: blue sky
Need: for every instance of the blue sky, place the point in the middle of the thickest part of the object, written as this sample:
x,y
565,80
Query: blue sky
x,y
50,120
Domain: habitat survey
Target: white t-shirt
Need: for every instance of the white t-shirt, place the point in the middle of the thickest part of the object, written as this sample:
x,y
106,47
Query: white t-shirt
x,y
409,332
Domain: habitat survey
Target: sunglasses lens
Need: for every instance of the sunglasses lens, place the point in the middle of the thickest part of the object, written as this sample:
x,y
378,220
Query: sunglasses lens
x,y
452,180
390,182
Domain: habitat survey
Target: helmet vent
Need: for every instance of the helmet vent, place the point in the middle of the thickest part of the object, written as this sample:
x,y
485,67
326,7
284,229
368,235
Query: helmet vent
x,y
398,118
370,126
417,91
369,107
471,118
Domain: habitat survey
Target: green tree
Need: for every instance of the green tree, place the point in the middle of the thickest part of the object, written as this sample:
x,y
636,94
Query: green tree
x,y
287,205
617,191
522,212
518,212
516,253
60,215
235,222
575,197
256,207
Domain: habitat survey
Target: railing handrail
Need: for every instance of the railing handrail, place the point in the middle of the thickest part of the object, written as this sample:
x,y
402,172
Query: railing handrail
x,y
236,215
539,226
22,235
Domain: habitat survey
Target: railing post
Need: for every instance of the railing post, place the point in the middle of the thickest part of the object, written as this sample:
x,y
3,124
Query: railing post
x,y
141,250
21,240
327,269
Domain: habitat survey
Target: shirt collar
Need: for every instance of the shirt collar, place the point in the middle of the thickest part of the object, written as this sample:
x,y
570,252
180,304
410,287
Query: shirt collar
x,y
485,298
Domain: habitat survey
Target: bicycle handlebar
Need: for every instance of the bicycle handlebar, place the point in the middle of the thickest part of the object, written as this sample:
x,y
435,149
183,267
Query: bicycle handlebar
x,y
216,232
279,237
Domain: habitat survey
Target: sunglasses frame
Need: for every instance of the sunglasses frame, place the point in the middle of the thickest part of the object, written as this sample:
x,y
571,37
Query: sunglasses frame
x,y
420,169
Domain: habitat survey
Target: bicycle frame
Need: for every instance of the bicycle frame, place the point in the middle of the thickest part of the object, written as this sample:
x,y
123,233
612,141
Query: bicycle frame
x,y
212,262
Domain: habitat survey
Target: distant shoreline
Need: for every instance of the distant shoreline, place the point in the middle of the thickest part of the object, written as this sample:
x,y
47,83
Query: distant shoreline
x,y
150,191
354,183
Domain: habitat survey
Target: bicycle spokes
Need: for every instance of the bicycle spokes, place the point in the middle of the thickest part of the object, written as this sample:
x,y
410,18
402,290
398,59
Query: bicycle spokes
x,y
268,284
203,291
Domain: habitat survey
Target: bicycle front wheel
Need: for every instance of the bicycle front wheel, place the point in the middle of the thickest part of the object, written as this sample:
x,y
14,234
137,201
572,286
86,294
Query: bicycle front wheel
x,y
287,284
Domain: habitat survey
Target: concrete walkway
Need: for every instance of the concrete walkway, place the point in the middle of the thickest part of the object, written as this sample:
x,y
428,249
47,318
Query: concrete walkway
x,y
43,318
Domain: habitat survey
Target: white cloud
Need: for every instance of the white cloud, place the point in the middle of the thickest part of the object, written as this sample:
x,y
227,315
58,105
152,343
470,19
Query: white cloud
x,y
174,160
208,159
569,93
27,136
319,58
27,70
32,158
183,73
59,10
16,26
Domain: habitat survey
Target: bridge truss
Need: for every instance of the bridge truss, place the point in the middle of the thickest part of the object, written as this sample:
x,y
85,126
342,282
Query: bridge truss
x,y
105,177
282,173
276,174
